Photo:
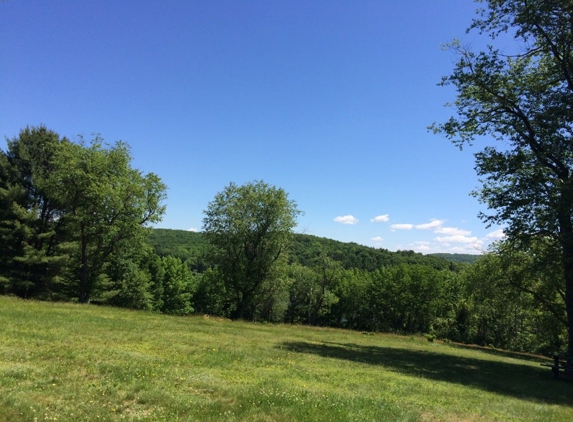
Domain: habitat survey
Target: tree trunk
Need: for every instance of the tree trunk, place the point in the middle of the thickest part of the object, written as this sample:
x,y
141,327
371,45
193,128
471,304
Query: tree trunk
x,y
568,269
84,294
566,237
239,311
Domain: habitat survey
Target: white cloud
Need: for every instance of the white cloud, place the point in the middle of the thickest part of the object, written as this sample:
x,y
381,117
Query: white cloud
x,y
377,239
420,246
401,227
437,225
467,249
452,231
192,229
457,239
347,219
436,247
381,218
496,235
433,224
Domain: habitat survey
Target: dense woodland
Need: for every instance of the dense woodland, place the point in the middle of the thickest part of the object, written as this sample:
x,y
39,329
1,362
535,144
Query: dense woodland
x,y
190,247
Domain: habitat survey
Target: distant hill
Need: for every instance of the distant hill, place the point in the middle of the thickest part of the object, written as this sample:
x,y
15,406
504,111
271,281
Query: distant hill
x,y
459,258
186,245
190,247
353,255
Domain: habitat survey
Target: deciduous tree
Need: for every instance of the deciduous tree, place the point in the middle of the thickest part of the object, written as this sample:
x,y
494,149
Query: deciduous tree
x,y
249,228
523,99
67,209
108,204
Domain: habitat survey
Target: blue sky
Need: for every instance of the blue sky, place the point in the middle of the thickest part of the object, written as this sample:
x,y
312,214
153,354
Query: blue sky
x,y
329,100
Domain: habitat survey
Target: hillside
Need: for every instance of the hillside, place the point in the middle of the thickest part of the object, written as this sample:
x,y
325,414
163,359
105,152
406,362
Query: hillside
x,y
69,362
189,247
186,245
458,258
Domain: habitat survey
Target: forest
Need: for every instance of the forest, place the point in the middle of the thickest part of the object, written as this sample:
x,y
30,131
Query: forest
x,y
75,225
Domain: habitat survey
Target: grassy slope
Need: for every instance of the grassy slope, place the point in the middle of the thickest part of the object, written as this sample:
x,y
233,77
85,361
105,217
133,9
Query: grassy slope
x,y
68,362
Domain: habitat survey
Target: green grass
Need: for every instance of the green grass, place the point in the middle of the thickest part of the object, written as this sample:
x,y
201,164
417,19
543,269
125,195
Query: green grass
x,y
70,362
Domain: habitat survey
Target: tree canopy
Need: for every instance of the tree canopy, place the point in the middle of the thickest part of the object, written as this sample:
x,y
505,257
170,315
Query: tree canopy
x,y
523,99
249,228
68,210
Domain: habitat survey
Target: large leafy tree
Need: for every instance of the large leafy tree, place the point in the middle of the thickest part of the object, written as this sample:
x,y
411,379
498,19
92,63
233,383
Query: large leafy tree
x,y
249,228
523,99
67,210
108,204
312,293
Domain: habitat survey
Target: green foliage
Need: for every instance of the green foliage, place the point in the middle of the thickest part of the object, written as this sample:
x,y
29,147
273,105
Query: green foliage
x,y
524,101
188,246
130,288
500,314
108,204
32,234
72,214
497,300
191,248
306,248
312,292
406,298
351,309
149,282
249,228
178,287
212,297
458,258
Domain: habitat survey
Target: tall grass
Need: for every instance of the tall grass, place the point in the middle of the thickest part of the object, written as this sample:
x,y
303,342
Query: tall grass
x,y
70,362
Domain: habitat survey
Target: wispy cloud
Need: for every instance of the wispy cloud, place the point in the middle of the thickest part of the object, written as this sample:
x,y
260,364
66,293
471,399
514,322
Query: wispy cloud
x,y
420,246
496,235
438,228
192,229
452,231
449,239
381,218
433,224
436,247
347,219
457,239
377,239
401,227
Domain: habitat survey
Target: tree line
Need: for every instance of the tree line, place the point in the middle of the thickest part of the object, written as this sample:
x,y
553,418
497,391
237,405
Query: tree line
x,y
74,226
505,299
73,218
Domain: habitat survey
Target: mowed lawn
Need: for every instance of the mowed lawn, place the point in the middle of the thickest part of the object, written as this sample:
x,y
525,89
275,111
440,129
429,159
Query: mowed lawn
x,y
69,362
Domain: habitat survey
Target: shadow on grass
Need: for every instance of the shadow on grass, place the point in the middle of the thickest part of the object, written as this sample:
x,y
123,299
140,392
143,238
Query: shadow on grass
x,y
521,381
502,353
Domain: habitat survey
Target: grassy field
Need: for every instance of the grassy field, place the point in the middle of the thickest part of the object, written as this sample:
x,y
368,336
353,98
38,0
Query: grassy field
x,y
69,362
